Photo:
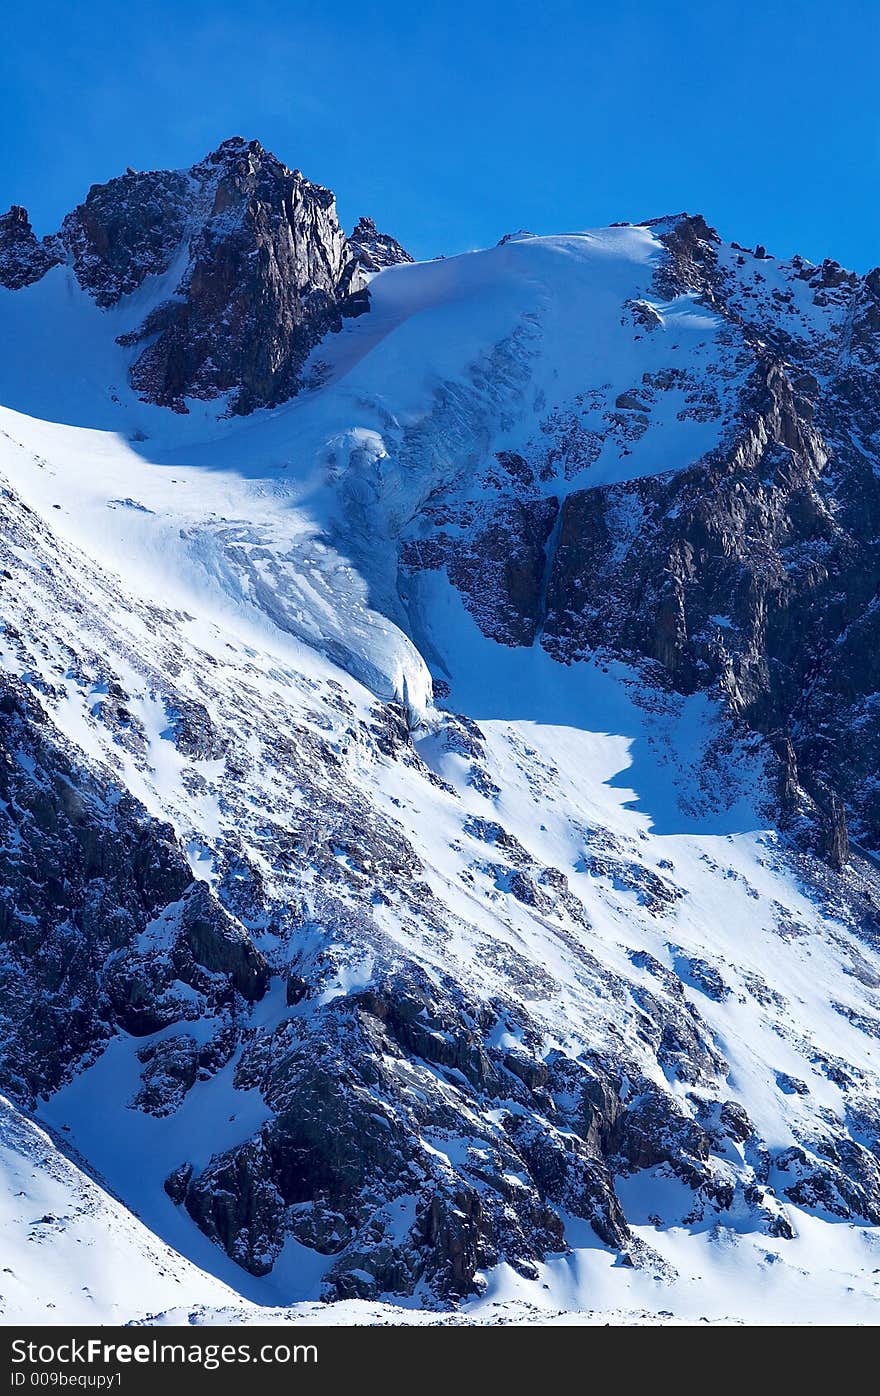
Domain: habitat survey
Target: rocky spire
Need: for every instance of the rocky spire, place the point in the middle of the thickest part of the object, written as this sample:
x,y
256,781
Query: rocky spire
x,y
23,258
268,274
375,250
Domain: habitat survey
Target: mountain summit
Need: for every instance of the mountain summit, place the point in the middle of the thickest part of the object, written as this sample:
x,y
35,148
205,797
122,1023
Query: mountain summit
x,y
439,728
256,269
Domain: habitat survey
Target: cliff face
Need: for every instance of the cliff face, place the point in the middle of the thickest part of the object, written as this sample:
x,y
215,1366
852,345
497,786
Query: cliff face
x,y
757,571
85,874
269,274
128,230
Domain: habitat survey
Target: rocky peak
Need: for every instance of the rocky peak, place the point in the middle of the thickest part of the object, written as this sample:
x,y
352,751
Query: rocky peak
x,y
16,227
691,227
692,247
23,258
375,250
232,148
265,270
239,170
268,274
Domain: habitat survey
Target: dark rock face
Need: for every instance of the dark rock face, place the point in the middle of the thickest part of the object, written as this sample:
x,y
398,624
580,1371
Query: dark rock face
x,y
217,944
375,250
776,534
749,536
269,274
172,1067
844,1185
497,557
352,1161
127,230
84,873
709,544
24,259
502,572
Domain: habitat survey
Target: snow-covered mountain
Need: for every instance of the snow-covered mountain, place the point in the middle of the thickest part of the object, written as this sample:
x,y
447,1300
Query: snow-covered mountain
x,y
438,793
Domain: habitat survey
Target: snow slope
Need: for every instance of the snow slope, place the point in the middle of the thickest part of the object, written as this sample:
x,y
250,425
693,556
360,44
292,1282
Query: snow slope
x,y
71,1252
261,555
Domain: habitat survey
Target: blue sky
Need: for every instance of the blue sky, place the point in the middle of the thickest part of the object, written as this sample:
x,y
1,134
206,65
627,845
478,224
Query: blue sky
x,y
453,123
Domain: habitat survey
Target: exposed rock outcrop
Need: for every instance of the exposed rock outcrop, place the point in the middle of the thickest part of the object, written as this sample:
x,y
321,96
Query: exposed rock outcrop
x,y
86,874
129,229
375,250
23,258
